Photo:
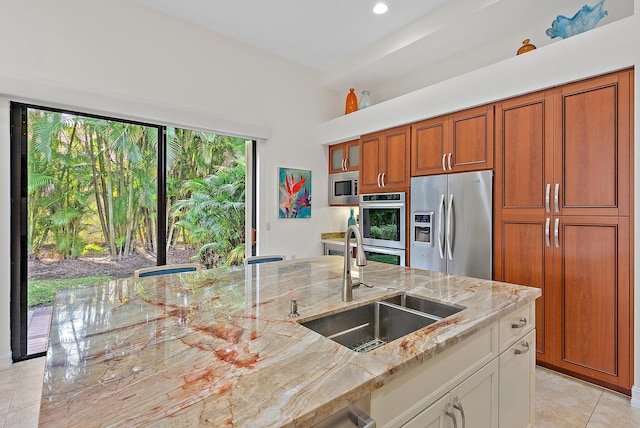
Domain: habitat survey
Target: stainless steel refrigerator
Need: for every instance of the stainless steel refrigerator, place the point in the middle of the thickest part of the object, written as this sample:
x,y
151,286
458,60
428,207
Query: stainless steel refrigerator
x,y
451,223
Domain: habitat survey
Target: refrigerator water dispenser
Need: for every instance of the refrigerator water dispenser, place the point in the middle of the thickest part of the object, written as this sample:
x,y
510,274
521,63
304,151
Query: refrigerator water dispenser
x,y
422,228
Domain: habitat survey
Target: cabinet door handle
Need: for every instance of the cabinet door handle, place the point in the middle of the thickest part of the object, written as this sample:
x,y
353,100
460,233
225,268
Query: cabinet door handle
x,y
383,185
546,232
556,233
444,157
522,349
449,161
458,406
520,324
546,198
449,412
379,174
344,164
556,197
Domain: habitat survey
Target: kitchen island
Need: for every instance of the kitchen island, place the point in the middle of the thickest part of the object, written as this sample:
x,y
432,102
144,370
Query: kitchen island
x,y
218,348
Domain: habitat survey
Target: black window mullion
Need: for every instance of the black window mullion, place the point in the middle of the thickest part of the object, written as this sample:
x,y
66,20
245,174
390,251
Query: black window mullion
x,y
18,223
161,245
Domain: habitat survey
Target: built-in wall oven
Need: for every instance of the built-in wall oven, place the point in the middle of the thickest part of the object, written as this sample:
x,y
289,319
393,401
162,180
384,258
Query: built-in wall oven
x,y
392,256
382,224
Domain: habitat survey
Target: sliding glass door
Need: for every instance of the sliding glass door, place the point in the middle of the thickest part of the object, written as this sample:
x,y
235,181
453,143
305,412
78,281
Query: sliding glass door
x,y
95,198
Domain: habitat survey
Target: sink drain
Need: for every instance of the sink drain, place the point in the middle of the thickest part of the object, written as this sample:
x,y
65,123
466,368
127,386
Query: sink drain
x,y
370,346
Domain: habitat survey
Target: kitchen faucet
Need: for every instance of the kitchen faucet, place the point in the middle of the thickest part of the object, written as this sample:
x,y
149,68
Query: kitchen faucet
x,y
361,260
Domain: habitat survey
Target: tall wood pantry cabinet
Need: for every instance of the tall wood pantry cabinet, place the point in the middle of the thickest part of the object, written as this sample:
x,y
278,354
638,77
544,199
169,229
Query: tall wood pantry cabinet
x,y
562,221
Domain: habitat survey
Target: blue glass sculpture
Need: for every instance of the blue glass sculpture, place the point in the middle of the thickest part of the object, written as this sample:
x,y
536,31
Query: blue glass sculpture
x,y
584,20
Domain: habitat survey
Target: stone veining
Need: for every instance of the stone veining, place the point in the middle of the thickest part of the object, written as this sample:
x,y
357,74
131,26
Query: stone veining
x,y
216,348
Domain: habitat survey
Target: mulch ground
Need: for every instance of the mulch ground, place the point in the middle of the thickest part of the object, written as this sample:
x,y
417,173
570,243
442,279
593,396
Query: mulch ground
x,y
98,266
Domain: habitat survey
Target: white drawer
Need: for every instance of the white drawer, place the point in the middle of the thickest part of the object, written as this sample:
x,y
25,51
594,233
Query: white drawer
x,y
516,324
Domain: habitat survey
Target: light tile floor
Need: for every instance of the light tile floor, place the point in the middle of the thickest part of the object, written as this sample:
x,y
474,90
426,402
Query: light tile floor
x,y
561,401
20,390
565,402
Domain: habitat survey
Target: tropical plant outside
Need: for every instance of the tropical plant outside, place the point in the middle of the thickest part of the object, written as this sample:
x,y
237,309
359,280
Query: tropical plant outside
x,y
93,188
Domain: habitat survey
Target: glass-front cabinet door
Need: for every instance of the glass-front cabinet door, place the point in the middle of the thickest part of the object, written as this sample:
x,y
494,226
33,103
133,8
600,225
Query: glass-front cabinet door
x,y
344,157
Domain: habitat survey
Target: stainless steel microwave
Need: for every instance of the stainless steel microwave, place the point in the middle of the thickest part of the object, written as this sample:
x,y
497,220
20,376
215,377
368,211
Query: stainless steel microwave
x,y
343,188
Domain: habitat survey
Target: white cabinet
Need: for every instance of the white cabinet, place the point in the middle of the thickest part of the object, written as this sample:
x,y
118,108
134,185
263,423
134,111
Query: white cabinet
x,y
472,404
517,383
489,377
439,415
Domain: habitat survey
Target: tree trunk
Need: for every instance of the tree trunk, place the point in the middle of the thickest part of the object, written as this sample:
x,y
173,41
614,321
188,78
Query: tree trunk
x,y
96,183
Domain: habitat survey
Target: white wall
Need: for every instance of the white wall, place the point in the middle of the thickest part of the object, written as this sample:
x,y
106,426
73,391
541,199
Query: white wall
x,y
121,59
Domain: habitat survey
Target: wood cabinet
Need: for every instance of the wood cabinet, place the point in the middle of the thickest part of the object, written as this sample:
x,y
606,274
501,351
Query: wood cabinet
x,y
344,157
384,165
458,142
562,221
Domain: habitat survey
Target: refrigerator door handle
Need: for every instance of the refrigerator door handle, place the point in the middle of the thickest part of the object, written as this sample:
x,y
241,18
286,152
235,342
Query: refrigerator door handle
x,y
450,227
440,228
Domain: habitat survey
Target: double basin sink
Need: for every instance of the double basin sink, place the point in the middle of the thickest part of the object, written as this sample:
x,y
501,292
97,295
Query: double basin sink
x,y
367,327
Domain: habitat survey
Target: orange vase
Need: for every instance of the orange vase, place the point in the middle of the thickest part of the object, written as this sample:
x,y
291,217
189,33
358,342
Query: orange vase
x,y
352,102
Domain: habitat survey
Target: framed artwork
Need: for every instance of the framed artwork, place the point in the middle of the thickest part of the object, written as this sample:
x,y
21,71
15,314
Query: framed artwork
x,y
294,193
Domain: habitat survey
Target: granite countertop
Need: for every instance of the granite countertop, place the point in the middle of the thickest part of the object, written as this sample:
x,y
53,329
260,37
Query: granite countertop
x,y
217,348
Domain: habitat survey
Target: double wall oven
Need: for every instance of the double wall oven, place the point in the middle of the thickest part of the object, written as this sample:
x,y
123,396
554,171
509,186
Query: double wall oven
x,y
382,224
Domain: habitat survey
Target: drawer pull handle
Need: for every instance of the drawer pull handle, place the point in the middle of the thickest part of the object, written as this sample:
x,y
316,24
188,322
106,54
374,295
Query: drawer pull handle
x,y
520,324
361,419
522,349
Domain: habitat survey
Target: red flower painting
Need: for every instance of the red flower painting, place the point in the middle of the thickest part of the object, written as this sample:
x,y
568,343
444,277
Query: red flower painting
x,y
295,193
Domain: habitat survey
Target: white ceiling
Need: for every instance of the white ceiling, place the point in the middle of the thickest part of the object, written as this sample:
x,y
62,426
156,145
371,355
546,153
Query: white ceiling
x,y
415,44
317,34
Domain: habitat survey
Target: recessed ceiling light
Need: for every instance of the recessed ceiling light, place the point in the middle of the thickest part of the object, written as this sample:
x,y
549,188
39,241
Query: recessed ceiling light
x,y
380,8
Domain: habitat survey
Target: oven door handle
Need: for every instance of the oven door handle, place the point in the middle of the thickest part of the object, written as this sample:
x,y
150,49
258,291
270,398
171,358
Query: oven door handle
x,y
382,205
440,228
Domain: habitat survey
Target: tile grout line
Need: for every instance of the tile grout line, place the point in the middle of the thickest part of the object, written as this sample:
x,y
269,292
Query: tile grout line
x,y
594,407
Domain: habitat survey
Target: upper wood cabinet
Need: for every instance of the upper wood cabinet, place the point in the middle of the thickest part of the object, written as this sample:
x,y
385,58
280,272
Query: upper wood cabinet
x,y
524,154
458,142
344,157
384,165
591,160
565,151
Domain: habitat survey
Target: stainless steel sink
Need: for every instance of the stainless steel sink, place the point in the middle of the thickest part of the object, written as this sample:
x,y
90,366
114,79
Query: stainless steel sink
x,y
436,310
367,327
